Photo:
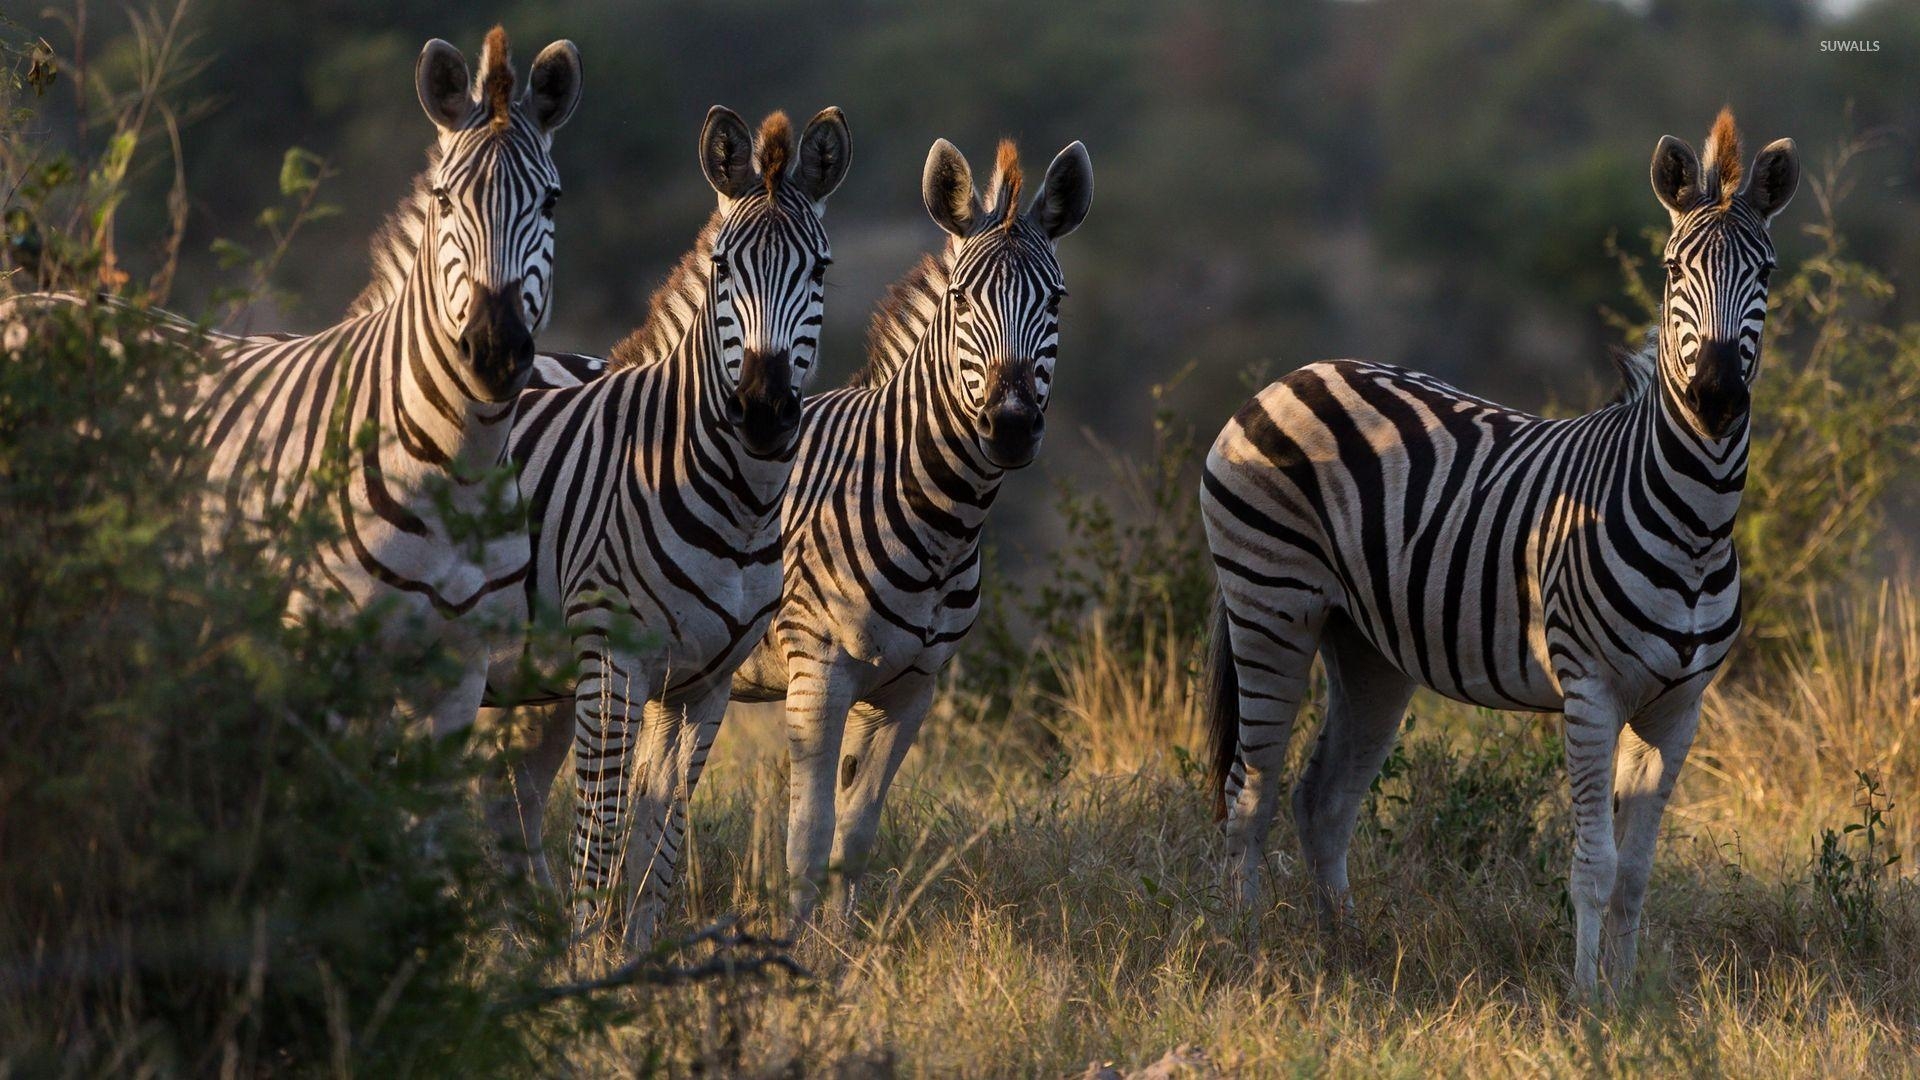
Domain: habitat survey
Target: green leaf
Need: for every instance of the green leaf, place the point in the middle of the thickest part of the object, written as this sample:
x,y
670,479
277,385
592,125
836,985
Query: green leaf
x,y
299,172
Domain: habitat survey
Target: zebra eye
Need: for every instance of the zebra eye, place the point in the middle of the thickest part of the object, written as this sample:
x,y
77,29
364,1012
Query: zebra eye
x,y
552,200
720,270
1673,266
1766,273
961,305
446,201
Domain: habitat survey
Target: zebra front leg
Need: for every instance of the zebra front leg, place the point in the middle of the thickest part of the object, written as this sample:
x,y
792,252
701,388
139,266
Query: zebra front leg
x,y
1592,729
877,739
608,704
536,740
676,744
1272,666
1651,752
817,706
1366,700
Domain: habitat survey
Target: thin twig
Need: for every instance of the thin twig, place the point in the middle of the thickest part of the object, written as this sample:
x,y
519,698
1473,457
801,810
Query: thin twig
x,y
654,969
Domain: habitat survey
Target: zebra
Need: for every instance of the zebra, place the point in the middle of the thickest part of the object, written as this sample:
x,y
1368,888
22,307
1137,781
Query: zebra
x,y
1414,535
655,489
433,355
894,478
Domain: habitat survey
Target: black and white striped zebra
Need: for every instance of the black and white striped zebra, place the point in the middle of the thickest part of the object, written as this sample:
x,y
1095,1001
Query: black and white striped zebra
x,y
892,486
1413,535
655,492
433,357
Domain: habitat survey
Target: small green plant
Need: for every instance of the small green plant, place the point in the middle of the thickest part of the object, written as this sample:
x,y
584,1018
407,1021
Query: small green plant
x,y
1137,563
1850,868
1467,805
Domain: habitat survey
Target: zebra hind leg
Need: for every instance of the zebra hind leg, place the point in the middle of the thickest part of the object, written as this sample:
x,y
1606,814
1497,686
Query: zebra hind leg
x,y
1272,656
1366,700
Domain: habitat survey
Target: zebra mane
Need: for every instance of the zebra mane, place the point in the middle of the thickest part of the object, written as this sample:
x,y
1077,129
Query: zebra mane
x,y
903,316
1639,368
671,308
394,244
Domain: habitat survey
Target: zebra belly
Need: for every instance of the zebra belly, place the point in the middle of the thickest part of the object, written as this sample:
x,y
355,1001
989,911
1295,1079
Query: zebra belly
x,y
1360,489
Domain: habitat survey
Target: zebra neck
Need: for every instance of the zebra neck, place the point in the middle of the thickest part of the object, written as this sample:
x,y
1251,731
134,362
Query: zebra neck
x,y
751,488
432,405
940,472
1696,483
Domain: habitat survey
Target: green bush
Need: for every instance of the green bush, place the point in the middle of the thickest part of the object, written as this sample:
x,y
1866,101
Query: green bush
x,y
222,852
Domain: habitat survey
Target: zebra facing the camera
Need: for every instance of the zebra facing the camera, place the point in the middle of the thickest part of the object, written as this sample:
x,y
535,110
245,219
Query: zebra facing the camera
x,y
1413,535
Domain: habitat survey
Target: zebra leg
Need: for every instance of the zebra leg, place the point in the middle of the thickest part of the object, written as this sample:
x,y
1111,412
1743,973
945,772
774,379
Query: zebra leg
x,y
1592,730
608,702
536,740
877,740
817,706
1272,664
677,740
1366,700
1652,749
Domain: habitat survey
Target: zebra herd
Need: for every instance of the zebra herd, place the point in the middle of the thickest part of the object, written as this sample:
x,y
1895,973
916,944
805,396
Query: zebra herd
x,y
706,532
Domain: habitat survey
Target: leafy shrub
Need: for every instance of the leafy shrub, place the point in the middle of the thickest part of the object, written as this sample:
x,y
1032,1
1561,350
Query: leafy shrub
x,y
1135,565
222,850
1850,868
1466,802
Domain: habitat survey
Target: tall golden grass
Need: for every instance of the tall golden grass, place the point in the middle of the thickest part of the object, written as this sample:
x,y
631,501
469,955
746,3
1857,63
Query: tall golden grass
x,y
1048,897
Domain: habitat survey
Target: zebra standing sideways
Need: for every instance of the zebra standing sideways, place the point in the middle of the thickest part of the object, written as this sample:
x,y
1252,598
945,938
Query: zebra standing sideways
x,y
433,355
655,490
894,479
1413,535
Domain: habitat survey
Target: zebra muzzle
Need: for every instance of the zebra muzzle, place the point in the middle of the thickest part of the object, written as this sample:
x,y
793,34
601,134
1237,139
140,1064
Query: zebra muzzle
x,y
496,343
1010,431
765,407
1717,395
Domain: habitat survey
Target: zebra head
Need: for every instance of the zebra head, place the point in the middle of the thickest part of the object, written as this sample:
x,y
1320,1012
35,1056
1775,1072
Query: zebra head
x,y
1003,302
489,223
769,263
1718,261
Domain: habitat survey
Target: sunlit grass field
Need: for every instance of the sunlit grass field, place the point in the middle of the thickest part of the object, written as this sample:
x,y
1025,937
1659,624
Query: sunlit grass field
x,y
1048,898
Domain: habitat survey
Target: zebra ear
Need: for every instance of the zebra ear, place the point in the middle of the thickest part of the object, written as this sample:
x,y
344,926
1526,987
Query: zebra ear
x,y
553,89
1676,175
947,188
440,77
1775,177
826,149
726,152
1065,194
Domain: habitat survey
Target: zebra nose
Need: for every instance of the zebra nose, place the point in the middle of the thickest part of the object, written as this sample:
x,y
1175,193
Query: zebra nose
x,y
1717,394
495,341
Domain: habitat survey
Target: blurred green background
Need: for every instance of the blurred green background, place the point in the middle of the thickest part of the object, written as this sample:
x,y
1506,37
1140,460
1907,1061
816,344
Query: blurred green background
x,y
1431,184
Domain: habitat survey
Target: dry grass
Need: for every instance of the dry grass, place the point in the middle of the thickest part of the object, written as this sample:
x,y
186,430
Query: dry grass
x,y
1042,910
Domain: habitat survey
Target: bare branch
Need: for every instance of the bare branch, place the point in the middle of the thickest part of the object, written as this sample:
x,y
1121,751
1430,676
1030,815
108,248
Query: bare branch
x,y
656,968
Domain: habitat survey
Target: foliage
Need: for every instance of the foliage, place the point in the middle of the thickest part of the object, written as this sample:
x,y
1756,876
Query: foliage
x,y
1851,867
222,850
1464,801
1133,561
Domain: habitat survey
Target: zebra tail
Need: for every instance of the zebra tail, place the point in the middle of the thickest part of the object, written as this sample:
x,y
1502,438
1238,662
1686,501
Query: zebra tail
x,y
1223,710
